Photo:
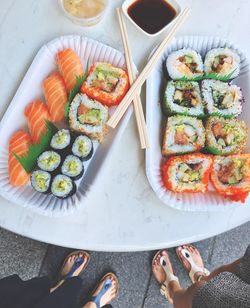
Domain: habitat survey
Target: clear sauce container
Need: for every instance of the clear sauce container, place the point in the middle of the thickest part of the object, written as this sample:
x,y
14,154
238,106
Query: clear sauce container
x,y
84,12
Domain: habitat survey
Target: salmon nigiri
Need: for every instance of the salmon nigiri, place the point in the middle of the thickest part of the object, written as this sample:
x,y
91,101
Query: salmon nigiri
x,y
56,96
70,67
19,144
37,113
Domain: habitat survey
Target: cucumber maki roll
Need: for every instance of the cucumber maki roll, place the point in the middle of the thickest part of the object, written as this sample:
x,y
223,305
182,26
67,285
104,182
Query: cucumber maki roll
x,y
221,99
61,140
49,161
230,176
185,63
72,167
187,173
184,98
183,135
222,64
40,181
225,136
63,187
83,148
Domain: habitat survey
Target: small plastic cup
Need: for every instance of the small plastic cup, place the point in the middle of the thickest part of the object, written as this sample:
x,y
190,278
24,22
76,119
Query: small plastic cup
x,y
87,18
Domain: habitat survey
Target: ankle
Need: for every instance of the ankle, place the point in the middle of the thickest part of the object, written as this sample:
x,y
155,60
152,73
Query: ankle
x,y
173,287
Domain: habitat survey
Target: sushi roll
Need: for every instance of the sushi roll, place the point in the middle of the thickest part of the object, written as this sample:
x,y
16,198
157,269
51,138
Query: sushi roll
x,y
72,167
230,176
63,187
184,98
106,84
88,117
185,63
222,64
225,136
183,135
221,99
61,141
83,148
49,161
40,181
187,173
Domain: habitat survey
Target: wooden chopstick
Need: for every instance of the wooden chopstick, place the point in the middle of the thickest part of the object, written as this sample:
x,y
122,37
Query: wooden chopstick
x,y
140,119
134,89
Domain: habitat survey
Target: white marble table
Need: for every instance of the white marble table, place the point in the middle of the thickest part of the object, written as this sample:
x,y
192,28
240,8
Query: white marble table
x,y
121,213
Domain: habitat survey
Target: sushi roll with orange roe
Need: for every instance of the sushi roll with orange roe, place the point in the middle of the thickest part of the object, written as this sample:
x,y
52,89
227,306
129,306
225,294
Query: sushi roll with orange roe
x,y
187,173
230,176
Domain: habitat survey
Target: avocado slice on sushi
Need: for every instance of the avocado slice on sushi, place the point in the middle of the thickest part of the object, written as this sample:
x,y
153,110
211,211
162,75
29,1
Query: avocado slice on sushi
x,y
63,186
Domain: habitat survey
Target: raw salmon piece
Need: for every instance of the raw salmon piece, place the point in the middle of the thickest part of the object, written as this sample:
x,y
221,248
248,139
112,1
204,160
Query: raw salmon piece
x,y
37,113
70,67
19,144
56,96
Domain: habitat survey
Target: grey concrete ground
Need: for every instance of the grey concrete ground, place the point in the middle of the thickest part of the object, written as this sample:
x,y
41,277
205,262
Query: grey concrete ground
x,y
138,287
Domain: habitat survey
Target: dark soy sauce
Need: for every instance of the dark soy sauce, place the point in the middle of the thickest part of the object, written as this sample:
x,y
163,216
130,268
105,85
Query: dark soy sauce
x,y
151,15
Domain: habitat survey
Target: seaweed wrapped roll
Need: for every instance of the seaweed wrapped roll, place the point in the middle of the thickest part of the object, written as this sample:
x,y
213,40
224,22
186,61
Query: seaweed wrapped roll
x,y
230,176
72,167
222,64
187,173
83,147
184,98
225,136
183,135
63,187
61,140
40,181
221,99
49,161
88,117
185,63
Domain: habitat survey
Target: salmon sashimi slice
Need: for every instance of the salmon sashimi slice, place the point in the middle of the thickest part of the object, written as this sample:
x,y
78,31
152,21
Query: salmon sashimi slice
x,y
37,113
19,144
70,67
56,96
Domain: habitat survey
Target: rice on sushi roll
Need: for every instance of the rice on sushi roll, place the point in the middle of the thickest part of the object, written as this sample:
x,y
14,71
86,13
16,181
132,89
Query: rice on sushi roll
x,y
184,98
230,176
185,63
222,64
49,161
72,167
40,181
106,84
222,99
183,134
63,187
187,173
61,140
225,136
83,147
88,117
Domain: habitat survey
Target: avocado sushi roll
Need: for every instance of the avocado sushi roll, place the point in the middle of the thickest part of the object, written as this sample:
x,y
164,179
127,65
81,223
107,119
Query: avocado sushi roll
x,y
49,161
184,98
225,136
63,187
187,173
72,167
183,135
88,117
83,147
230,176
40,181
185,63
221,99
61,140
222,64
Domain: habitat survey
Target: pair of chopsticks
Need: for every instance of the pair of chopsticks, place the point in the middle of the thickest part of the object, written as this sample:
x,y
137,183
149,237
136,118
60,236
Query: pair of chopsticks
x,y
132,94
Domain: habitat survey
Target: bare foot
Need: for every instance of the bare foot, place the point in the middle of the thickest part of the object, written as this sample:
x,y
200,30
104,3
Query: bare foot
x,y
158,271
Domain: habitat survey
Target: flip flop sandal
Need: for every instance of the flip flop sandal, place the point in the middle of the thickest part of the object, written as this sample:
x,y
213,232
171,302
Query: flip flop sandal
x,y
107,285
78,262
169,276
194,267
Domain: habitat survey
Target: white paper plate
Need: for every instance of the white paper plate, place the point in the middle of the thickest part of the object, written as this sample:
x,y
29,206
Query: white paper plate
x,y
210,201
13,120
